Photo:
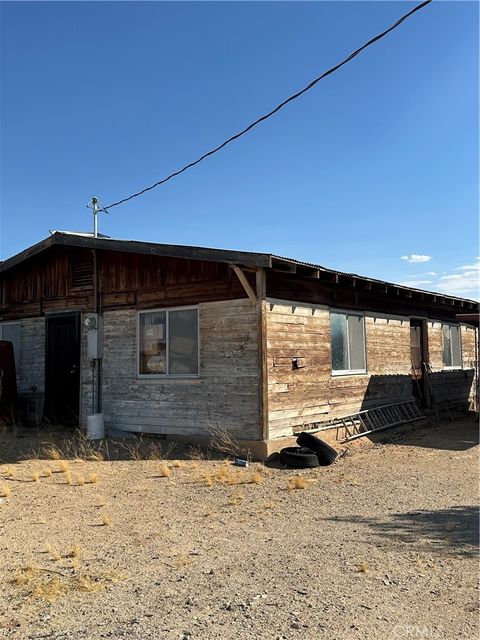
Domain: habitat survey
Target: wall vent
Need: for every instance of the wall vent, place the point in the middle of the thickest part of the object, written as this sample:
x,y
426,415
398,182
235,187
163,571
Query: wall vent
x,y
81,272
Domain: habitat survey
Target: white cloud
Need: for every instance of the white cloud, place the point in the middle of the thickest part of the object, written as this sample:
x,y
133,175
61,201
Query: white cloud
x,y
416,276
415,284
415,257
469,267
466,283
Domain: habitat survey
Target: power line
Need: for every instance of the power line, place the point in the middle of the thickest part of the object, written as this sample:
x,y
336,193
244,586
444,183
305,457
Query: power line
x,y
273,111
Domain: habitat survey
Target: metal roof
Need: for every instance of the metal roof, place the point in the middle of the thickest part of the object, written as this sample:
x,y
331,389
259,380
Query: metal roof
x,y
247,259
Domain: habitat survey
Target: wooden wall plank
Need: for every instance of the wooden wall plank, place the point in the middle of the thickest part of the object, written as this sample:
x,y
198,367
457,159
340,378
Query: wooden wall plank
x,y
225,395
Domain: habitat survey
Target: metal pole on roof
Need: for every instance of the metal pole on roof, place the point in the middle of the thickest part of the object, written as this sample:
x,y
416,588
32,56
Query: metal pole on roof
x,y
95,214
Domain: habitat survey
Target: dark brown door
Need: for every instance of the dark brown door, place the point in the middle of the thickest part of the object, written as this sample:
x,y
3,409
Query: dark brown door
x,y
62,369
419,358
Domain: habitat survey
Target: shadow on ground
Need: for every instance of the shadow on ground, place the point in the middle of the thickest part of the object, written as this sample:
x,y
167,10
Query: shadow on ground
x,y
453,531
68,443
459,434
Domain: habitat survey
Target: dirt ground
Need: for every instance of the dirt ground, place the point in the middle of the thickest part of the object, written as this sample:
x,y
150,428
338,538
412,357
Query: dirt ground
x,y
382,544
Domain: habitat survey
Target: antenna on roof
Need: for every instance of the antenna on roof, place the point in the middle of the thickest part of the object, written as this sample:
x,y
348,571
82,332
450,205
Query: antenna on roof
x,y
95,214
94,205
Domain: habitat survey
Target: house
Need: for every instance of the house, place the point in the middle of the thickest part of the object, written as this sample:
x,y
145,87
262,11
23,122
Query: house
x,y
175,340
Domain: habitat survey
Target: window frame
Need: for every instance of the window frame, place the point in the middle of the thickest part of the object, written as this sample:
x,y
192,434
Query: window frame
x,y
452,367
166,376
349,372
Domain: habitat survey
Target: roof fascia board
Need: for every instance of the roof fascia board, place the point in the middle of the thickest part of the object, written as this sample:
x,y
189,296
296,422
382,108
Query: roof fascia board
x,y
132,246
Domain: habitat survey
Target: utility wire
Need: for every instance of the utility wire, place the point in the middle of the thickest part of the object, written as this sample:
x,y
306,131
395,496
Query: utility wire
x,y
273,111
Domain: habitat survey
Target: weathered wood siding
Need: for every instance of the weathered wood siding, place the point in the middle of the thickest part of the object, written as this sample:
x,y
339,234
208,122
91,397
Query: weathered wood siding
x,y
45,283
31,368
469,355
453,386
225,394
311,393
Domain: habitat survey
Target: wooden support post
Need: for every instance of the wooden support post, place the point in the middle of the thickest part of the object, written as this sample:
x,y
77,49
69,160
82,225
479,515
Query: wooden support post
x,y
262,351
245,284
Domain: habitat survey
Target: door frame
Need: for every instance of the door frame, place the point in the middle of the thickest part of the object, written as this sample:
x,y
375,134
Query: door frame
x,y
78,327
424,381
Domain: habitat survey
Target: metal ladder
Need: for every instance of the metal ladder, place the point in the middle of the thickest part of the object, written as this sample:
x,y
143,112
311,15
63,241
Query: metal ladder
x,y
364,422
367,421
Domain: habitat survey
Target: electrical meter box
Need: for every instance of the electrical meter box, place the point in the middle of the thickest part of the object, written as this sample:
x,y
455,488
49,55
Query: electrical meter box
x,y
94,325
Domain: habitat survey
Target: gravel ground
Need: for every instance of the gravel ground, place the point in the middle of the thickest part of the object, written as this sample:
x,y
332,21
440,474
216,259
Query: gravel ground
x,y
383,544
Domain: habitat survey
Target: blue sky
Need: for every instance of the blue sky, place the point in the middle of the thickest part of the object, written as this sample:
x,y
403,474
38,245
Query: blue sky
x,y
374,171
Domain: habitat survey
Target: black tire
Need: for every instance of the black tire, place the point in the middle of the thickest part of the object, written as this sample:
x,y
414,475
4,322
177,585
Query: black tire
x,y
299,458
325,453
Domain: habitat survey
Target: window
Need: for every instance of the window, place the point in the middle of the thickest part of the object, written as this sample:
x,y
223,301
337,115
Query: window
x,y
452,346
11,331
347,332
168,342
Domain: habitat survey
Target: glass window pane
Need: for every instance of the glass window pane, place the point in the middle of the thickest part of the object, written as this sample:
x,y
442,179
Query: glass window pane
x,y
447,347
356,337
152,343
183,341
456,347
338,333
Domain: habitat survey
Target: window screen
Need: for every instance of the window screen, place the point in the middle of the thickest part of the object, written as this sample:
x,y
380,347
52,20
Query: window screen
x,y
347,332
339,335
153,343
452,346
168,342
183,342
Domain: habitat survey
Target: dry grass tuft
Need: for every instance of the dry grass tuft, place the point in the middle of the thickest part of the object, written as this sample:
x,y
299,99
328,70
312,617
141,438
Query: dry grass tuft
x,y
35,477
57,556
92,478
89,584
196,453
256,478
299,482
80,481
63,466
106,520
48,548
5,491
207,478
49,589
24,575
47,472
95,456
68,478
235,500
52,452
223,441
176,464
9,472
165,471
139,449
183,561
75,552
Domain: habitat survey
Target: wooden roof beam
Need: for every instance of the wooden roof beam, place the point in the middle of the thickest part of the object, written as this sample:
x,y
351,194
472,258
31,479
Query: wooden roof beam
x,y
283,266
308,272
245,284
